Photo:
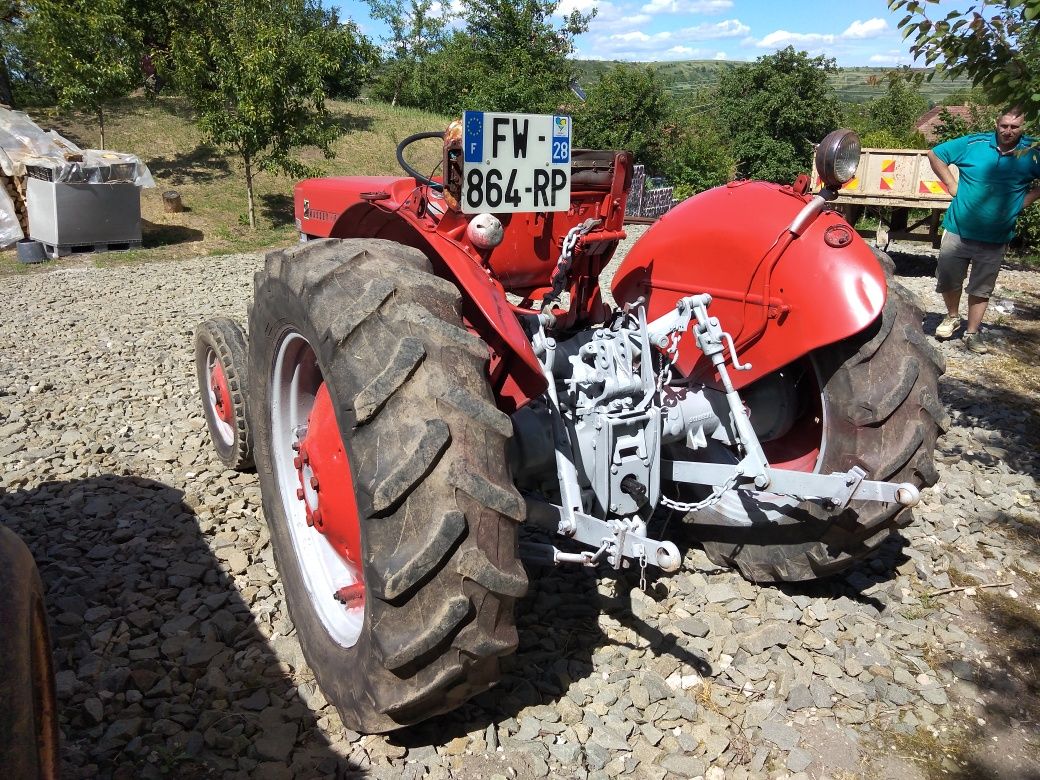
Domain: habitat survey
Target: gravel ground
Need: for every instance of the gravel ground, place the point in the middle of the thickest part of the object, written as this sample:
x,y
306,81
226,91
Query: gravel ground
x,y
175,656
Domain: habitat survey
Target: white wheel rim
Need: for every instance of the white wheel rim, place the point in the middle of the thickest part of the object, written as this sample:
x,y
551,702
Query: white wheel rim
x,y
295,380
224,430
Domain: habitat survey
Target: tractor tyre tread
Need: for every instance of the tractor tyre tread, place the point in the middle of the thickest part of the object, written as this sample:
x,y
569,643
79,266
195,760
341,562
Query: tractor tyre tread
x,y
887,430
29,715
409,386
227,340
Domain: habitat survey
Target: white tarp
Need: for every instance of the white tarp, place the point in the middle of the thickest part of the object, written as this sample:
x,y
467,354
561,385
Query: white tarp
x,y
26,149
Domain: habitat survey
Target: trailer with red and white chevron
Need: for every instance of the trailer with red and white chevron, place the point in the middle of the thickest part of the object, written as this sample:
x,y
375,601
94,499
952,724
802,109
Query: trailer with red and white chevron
x,y
900,180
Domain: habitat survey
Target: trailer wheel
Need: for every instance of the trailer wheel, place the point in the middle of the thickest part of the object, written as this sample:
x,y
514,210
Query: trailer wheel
x,y
869,401
382,463
28,715
220,364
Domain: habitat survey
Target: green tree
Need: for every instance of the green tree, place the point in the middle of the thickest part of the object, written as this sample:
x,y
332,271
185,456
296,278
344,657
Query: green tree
x,y
513,56
416,31
774,109
695,155
995,44
357,59
626,110
84,50
10,29
898,110
256,73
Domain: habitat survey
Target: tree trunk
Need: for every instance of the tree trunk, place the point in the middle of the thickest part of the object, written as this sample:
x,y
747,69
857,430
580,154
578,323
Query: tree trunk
x,y
101,124
249,189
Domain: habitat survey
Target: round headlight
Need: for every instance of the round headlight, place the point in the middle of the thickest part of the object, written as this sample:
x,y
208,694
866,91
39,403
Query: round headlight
x,y
837,158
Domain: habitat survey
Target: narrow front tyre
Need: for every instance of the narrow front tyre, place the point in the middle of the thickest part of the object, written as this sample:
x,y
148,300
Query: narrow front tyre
x,y
220,365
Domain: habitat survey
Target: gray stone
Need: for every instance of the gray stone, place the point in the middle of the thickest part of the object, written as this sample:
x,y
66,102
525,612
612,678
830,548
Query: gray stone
x,y
684,766
693,627
276,741
567,754
656,687
596,755
714,746
800,698
798,760
784,737
719,593
120,733
767,636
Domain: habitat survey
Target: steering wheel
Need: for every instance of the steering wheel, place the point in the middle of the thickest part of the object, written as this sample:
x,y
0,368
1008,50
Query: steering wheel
x,y
405,143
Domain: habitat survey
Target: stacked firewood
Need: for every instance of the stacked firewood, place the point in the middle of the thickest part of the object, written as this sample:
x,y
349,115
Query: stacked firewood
x,y
15,187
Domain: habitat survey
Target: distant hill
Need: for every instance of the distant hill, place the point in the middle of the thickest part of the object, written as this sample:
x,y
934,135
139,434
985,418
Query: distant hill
x,y
853,85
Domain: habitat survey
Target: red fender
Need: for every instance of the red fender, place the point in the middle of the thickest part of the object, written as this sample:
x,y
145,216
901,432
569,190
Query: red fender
x,y
399,210
778,295
383,207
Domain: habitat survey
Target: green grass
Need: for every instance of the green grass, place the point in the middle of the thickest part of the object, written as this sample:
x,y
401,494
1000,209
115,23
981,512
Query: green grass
x,y
212,184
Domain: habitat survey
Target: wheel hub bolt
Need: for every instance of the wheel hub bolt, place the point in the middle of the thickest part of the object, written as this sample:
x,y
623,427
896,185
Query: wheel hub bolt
x,y
299,493
314,482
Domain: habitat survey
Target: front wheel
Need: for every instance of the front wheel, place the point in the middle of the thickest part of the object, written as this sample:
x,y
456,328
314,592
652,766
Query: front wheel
x,y
220,366
869,401
382,466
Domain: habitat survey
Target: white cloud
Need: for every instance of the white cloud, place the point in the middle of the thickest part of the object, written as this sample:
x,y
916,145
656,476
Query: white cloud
x,y
730,28
636,35
781,38
890,58
584,6
687,6
868,29
720,55
668,43
858,30
610,18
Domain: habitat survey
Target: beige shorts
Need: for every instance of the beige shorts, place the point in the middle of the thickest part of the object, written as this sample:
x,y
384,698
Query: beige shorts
x,y
956,254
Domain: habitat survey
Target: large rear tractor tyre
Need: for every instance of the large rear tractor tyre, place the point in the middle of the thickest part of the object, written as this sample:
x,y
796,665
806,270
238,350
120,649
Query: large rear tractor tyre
x,y
876,406
382,463
28,712
220,365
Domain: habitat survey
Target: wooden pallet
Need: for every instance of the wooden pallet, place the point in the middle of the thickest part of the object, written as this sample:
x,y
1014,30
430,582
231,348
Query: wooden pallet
x,y
64,250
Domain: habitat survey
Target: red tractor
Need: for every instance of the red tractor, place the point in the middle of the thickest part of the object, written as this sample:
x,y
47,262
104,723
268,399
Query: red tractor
x,y
434,365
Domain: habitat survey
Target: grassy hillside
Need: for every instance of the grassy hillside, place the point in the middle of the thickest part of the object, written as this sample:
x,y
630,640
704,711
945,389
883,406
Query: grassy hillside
x,y
854,85
212,185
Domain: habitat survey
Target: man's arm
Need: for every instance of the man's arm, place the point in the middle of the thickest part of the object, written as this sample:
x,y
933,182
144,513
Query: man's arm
x,y
1031,196
942,170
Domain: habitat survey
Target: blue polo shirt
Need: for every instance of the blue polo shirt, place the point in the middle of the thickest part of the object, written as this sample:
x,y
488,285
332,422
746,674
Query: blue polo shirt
x,y
991,187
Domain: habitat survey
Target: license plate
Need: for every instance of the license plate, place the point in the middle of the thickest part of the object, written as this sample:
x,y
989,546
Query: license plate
x,y
516,162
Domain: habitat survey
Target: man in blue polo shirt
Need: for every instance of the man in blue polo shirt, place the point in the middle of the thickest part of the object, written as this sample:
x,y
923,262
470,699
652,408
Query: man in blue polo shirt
x,y
997,171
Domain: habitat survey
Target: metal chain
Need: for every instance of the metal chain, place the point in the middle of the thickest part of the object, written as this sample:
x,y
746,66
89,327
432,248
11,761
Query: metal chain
x,y
672,356
710,501
563,265
642,568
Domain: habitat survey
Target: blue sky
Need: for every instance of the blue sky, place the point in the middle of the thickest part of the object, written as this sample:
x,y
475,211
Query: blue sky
x,y
854,32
